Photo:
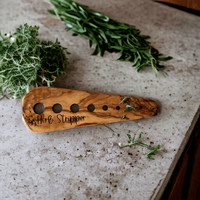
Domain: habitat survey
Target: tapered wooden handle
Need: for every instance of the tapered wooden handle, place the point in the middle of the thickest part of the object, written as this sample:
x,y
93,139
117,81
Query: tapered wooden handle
x,y
46,109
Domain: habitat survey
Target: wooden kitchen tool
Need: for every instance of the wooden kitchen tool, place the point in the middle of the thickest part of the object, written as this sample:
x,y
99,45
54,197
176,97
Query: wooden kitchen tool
x,y
46,109
191,4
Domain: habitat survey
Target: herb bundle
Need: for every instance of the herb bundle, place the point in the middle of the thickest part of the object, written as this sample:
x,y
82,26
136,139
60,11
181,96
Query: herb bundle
x,y
133,141
108,35
26,62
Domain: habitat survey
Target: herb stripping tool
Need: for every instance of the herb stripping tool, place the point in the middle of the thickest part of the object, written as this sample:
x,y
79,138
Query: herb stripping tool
x,y
46,109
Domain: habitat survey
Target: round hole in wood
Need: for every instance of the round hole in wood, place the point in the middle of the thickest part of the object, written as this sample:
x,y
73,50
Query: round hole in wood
x,y
74,108
105,107
57,108
118,107
38,108
91,108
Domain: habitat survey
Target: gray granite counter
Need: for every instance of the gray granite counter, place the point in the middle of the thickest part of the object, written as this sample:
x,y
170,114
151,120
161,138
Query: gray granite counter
x,y
44,166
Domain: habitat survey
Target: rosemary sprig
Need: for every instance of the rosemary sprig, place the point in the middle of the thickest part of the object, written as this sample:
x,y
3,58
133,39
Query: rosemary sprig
x,y
133,141
26,62
129,106
109,35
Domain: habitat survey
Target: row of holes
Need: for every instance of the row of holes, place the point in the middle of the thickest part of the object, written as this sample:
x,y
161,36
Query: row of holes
x,y
57,108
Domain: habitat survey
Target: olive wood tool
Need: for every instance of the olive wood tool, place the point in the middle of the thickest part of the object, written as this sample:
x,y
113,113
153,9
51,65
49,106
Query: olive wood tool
x,y
46,109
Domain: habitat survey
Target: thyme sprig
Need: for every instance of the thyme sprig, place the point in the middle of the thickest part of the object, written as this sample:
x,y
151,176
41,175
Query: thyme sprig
x,y
27,62
133,141
129,106
109,35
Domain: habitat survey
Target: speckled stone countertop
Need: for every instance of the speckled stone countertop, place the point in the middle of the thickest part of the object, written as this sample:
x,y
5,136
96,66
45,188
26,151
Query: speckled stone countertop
x,y
44,166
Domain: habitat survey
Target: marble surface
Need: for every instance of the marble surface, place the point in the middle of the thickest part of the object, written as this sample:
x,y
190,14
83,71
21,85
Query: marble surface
x,y
44,166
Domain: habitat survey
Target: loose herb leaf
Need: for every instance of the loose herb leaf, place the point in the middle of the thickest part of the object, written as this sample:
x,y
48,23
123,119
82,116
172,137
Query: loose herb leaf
x,y
26,62
152,152
127,109
79,156
109,35
123,116
128,105
133,141
124,99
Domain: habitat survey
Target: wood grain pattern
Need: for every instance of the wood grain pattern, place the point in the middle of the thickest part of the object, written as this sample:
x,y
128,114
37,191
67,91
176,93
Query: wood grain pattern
x,y
191,4
50,121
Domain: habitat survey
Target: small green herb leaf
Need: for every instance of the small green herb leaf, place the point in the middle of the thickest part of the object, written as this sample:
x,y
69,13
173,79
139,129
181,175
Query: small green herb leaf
x,y
124,99
123,116
79,156
128,105
151,153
